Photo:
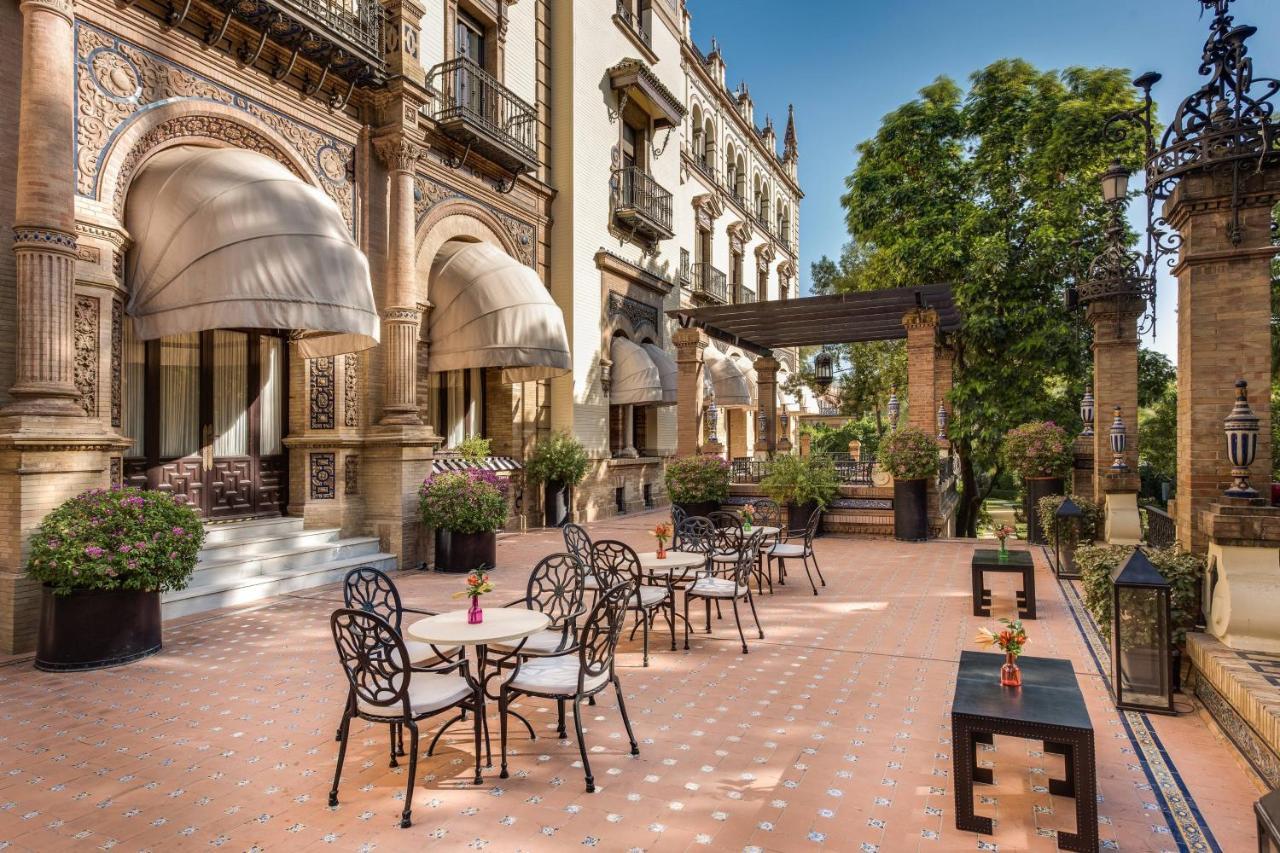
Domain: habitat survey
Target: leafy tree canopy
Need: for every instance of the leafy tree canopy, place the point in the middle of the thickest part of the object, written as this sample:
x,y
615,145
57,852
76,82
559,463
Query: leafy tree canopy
x,y
1155,374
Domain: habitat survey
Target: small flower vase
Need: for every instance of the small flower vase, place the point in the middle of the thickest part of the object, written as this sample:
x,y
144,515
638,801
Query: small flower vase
x,y
1004,551
475,615
746,525
1010,675
662,550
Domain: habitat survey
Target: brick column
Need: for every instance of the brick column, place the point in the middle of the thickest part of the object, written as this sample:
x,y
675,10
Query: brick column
x,y
690,344
44,221
767,398
922,345
401,316
1224,331
1115,383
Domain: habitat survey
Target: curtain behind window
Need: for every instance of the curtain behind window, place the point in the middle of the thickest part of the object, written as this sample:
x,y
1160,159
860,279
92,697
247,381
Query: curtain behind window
x,y
271,398
180,395
135,390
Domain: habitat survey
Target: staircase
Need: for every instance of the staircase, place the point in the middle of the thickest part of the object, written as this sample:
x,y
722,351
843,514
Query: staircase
x,y
246,561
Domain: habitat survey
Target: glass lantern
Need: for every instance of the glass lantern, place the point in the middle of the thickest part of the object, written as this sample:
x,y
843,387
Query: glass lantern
x,y
1141,637
1066,535
823,371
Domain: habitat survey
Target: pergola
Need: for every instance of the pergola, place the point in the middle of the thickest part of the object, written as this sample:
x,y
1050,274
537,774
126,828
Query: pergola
x,y
921,315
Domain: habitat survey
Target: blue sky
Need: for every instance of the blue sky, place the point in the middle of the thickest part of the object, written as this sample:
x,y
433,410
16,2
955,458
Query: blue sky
x,y
846,63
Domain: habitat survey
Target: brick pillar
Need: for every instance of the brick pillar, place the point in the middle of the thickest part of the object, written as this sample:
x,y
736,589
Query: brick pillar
x,y
1224,331
1115,383
767,391
44,218
401,316
922,346
690,344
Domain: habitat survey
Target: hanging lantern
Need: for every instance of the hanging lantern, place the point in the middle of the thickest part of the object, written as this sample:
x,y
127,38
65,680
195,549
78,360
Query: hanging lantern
x,y
823,371
762,424
1141,641
1118,443
784,420
713,417
1066,535
1086,413
894,409
942,422
1241,427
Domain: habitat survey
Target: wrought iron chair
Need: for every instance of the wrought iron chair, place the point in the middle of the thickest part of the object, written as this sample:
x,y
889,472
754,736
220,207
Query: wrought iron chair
x,y
697,535
576,674
556,589
723,518
616,563
578,543
768,514
383,687
372,590
789,549
733,588
678,516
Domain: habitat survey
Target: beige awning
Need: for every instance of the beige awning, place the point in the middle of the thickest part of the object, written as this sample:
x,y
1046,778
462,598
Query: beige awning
x,y
227,238
635,378
730,385
668,371
490,310
749,373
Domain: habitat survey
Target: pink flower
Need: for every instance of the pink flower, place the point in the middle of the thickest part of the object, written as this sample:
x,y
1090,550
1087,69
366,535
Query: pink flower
x,y
94,552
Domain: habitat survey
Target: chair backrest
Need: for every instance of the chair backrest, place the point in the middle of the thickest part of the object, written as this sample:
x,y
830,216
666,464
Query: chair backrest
x,y
697,535
371,590
768,513
374,658
811,528
743,569
728,539
555,588
578,543
615,563
598,641
724,518
678,515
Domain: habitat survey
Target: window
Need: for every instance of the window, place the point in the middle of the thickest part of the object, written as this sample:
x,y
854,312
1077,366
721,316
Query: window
x,y
762,282
735,275
470,39
456,405
634,142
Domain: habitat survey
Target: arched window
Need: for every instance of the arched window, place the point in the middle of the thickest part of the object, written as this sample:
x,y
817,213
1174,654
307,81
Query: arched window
x,y
740,185
708,152
731,166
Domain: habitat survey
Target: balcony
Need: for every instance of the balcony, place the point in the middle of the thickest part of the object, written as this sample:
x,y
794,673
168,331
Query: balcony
x,y
476,110
745,296
706,169
641,205
710,284
634,23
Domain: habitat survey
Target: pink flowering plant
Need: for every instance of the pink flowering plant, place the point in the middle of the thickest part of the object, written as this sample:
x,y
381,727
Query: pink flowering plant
x,y
470,501
909,453
1037,449
117,539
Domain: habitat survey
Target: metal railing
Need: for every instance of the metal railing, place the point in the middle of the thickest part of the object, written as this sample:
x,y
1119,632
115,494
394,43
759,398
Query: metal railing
x,y
850,471
708,169
359,23
634,22
470,93
1161,531
638,191
745,295
946,470
710,282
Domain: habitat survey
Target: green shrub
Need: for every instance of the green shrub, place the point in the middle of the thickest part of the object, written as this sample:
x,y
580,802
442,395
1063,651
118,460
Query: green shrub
x,y
471,501
695,479
474,449
1090,525
909,453
559,459
118,539
1183,571
789,479
1037,449
836,440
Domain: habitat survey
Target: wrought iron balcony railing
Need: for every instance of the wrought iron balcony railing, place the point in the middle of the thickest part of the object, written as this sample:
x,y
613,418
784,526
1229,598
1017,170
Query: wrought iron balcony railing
x,y
1161,531
850,471
745,295
710,283
634,22
641,203
475,109
705,167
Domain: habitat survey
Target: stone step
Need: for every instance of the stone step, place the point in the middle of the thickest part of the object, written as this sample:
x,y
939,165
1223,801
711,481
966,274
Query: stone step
x,y
241,531
211,596
270,542
287,556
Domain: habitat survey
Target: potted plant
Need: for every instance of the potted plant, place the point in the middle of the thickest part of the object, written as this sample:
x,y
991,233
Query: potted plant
x,y
104,557
559,463
470,507
697,484
801,485
1040,454
911,455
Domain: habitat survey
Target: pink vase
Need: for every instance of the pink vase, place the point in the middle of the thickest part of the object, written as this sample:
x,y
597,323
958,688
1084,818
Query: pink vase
x,y
475,615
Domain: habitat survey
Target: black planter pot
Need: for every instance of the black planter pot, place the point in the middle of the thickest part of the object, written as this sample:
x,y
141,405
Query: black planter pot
x,y
798,515
698,508
555,503
1037,488
459,553
911,510
96,628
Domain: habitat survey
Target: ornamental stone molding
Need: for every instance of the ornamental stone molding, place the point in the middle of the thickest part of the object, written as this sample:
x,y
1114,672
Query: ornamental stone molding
x,y
121,87
402,315
637,316
397,152
765,253
741,231
44,239
709,205
61,8
117,361
351,390
87,311
438,204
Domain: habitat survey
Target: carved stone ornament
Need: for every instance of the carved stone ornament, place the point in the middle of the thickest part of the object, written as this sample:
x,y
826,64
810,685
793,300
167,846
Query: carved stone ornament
x,y
117,360
323,476
86,340
351,474
765,253
427,193
322,391
351,391
637,313
397,152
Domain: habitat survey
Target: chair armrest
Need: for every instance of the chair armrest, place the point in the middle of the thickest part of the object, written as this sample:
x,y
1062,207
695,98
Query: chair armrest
x,y
519,602
420,611
441,669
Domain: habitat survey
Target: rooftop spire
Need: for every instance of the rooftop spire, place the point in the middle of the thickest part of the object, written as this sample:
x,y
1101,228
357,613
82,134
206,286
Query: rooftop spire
x,y
790,151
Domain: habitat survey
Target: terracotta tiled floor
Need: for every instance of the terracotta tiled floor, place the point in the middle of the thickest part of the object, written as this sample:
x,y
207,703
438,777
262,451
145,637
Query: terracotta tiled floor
x,y
832,733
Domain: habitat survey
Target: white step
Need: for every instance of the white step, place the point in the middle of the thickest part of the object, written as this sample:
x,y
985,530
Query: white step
x,y
211,596
231,566
272,542
241,531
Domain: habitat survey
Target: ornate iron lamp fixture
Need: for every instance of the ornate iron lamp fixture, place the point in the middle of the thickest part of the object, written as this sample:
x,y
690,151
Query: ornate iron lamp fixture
x,y
823,370
1241,427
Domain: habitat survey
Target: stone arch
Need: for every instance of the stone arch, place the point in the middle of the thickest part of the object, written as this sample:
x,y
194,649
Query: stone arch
x,y
456,219
620,324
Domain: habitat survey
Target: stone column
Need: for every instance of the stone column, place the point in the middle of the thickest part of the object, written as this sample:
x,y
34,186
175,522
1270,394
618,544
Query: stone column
x,y
767,398
690,344
922,345
1224,331
1115,383
401,316
44,221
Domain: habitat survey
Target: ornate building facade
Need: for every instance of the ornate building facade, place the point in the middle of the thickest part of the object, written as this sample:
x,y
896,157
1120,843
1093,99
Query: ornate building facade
x,y
280,258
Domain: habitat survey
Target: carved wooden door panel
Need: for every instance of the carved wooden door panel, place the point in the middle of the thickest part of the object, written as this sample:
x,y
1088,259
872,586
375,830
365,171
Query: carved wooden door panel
x,y
230,463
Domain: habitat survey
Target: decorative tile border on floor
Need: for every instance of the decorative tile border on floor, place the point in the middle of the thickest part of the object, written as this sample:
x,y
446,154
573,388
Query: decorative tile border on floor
x,y
1186,825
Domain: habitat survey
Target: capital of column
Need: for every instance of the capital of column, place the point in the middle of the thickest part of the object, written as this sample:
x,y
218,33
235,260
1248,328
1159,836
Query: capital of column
x,y
920,318
402,316
48,240
397,152
689,344
62,8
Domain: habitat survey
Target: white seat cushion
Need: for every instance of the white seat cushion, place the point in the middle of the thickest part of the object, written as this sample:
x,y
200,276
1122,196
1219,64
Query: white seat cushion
x,y
541,643
784,549
427,692
420,652
726,558
590,582
649,596
558,675
716,588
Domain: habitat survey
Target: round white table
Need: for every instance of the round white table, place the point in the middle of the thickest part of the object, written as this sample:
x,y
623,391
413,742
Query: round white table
x,y
501,625
767,529
674,561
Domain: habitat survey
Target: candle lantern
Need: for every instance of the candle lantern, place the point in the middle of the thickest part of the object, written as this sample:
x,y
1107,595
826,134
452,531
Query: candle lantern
x,y
823,371
1141,637
1119,441
1086,413
1067,522
1241,427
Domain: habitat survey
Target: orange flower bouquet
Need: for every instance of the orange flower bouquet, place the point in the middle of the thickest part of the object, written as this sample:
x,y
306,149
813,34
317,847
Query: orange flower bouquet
x,y
1010,640
662,533
748,517
478,584
1003,532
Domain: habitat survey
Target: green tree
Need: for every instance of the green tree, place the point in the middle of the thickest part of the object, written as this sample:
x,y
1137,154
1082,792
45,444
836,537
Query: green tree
x,y
994,190
1155,374
1158,437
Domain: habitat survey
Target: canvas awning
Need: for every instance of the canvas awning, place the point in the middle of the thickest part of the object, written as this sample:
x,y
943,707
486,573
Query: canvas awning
x,y
732,390
635,378
490,310
668,371
227,238
753,378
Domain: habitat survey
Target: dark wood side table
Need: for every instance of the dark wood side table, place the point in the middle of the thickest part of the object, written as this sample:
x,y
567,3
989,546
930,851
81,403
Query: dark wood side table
x,y
988,560
1048,707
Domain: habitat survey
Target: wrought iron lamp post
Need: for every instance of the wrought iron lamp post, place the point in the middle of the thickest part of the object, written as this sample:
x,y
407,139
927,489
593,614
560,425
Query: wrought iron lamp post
x,y
1241,427
1141,637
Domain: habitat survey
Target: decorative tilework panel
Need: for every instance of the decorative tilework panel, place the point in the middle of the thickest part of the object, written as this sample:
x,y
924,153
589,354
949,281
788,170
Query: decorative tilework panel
x,y
323,476
322,391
